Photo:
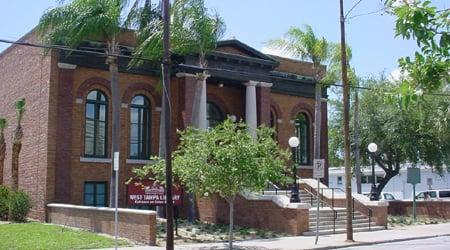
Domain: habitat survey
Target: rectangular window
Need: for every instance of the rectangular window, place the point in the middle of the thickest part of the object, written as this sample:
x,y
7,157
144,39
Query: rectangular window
x,y
339,180
95,194
444,194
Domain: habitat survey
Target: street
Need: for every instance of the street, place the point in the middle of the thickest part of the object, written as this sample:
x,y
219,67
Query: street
x,y
438,243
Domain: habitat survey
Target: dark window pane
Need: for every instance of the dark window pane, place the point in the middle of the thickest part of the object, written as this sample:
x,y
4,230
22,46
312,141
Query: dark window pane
x,y
89,188
89,146
92,95
214,115
102,113
444,194
138,100
302,132
90,110
100,200
140,125
89,200
95,131
134,149
102,97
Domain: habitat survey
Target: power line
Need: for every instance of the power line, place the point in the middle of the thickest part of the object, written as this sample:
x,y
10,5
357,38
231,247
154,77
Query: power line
x,y
59,47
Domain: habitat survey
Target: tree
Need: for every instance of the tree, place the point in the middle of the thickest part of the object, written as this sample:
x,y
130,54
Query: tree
x,y
225,160
419,134
306,45
3,124
429,70
17,144
80,20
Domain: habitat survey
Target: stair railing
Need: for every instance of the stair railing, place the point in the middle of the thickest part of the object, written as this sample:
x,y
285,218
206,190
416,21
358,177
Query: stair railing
x,y
370,212
332,194
335,212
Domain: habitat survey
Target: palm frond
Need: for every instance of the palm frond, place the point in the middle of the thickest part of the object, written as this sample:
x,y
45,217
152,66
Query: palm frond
x,y
79,20
3,123
20,108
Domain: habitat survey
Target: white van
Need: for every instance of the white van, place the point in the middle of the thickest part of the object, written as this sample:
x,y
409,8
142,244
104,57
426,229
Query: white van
x,y
443,194
384,196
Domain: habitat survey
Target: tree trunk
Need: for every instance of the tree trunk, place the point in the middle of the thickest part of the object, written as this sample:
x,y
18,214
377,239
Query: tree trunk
x,y
231,220
357,144
347,160
17,146
390,172
115,142
2,155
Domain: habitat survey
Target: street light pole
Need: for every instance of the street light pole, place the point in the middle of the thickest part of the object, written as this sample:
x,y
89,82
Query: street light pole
x,y
373,191
293,143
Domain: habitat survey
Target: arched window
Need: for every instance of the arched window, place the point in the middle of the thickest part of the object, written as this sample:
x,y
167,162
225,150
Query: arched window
x,y
274,123
140,128
302,132
214,115
96,124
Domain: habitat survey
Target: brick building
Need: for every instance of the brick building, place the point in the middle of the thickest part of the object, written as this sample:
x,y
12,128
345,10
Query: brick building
x,y
66,152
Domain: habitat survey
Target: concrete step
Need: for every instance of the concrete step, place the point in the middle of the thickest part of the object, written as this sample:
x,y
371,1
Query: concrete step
x,y
341,231
342,226
330,222
328,219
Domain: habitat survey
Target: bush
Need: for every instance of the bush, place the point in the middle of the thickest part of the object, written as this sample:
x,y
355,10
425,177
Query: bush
x,y
5,194
19,206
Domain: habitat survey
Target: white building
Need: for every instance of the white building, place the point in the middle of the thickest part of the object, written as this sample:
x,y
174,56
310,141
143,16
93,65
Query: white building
x,y
397,185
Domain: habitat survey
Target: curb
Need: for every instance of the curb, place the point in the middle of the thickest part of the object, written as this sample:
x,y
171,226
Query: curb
x,y
357,244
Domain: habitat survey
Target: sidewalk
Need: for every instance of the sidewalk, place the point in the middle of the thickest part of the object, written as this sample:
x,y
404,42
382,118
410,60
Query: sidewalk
x,y
327,241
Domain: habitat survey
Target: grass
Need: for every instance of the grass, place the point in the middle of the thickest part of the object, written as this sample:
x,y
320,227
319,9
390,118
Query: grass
x,y
201,232
45,236
394,221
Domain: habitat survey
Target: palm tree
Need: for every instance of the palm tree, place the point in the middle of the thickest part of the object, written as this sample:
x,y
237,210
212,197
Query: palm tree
x,y
17,144
194,31
2,147
79,20
304,44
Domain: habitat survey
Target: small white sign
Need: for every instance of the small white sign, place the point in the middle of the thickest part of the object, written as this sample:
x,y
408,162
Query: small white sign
x,y
319,168
116,161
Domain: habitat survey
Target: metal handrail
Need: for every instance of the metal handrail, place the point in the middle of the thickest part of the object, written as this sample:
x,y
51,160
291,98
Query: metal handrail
x,y
335,212
368,208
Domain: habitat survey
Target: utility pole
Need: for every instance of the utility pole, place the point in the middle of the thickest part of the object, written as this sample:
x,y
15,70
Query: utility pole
x,y
348,176
167,116
357,143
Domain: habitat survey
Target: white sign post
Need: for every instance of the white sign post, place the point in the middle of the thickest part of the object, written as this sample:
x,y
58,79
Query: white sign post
x,y
116,212
318,172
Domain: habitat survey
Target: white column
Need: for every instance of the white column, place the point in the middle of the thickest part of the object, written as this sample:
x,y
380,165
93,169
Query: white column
x,y
250,107
202,116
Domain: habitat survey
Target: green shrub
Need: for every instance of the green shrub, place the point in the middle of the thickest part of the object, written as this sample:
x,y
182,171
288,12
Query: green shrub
x,y
5,194
19,206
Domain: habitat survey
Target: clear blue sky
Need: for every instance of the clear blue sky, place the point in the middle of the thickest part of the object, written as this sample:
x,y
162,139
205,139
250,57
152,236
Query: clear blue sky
x,y
254,22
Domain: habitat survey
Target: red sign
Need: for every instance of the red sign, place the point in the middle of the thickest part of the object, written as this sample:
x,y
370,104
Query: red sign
x,y
147,192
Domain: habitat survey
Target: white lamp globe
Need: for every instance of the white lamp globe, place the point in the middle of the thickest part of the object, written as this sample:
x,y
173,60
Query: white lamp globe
x,y
372,147
294,142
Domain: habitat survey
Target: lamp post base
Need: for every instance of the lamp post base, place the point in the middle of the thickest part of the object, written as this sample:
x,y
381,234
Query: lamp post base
x,y
294,195
374,194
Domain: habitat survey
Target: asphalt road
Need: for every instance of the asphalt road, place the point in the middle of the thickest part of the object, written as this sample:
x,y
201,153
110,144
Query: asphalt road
x,y
438,243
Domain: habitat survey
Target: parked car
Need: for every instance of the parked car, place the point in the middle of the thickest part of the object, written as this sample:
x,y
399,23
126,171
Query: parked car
x,y
384,196
442,194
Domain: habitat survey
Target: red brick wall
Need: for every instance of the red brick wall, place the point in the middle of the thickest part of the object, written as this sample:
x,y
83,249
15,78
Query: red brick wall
x,y
136,225
255,213
26,73
431,209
